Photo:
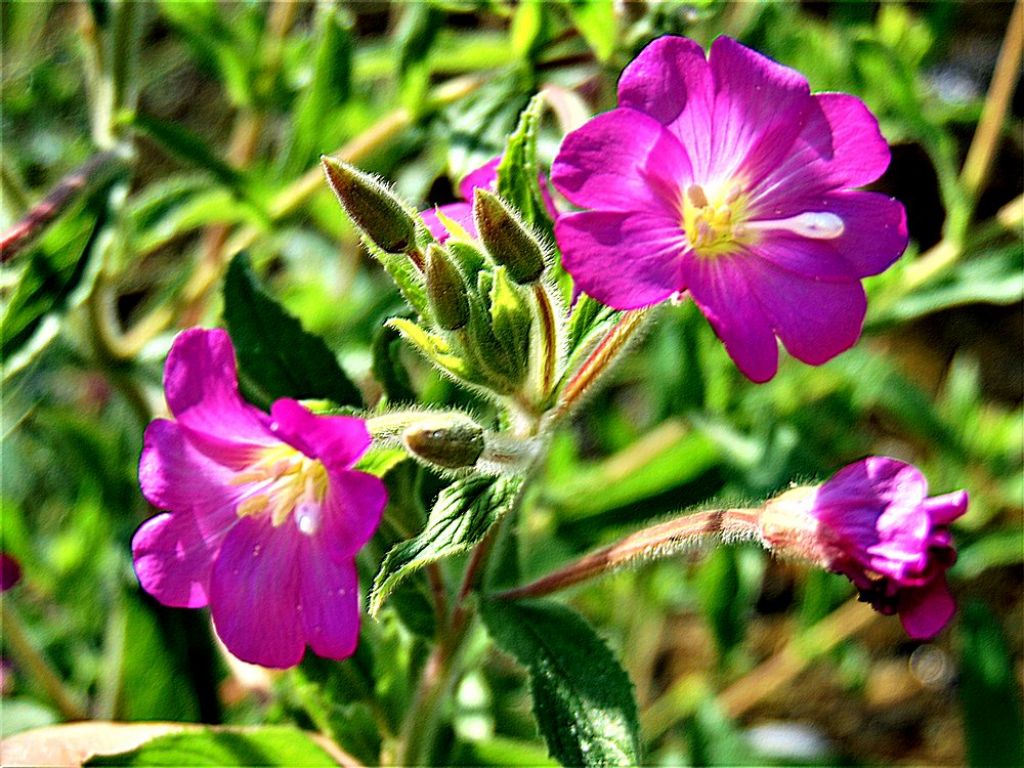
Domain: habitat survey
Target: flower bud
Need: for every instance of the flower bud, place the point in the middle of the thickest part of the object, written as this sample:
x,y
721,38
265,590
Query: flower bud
x,y
446,290
508,240
372,206
874,523
451,441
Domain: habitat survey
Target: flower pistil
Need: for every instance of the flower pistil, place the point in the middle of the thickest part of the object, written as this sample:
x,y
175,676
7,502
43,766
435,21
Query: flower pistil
x,y
284,480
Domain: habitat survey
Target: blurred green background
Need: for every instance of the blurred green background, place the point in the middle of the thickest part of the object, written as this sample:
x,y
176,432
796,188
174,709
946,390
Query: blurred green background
x,y
200,125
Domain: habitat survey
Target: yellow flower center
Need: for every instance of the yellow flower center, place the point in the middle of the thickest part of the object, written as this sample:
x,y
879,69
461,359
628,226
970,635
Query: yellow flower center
x,y
288,481
716,220
711,216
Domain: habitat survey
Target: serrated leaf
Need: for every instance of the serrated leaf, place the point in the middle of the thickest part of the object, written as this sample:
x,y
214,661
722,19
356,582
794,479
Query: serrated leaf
x,y
582,697
435,348
518,174
274,352
462,514
268,746
510,316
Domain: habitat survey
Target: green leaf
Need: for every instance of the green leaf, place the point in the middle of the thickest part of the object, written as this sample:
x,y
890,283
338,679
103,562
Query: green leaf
x,y
274,352
380,461
54,267
478,126
518,174
416,35
582,697
529,27
595,21
989,696
462,514
191,149
990,278
268,746
329,87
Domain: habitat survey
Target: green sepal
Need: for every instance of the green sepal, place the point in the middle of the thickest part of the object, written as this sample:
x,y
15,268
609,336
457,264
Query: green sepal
x,y
511,317
435,348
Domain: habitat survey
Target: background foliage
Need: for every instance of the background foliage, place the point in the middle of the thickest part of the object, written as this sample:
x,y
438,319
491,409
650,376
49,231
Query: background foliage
x,y
189,132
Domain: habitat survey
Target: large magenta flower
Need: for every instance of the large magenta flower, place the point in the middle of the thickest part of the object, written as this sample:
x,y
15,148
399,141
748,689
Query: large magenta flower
x,y
874,523
266,513
725,177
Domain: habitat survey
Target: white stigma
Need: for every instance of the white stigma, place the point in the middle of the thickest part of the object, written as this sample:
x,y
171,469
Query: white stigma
x,y
307,510
817,225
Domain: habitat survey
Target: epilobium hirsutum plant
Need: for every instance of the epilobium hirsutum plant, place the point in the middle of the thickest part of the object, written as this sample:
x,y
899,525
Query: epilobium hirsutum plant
x,y
720,177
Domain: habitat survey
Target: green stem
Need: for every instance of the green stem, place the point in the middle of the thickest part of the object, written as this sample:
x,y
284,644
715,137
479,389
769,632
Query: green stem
x,y
35,664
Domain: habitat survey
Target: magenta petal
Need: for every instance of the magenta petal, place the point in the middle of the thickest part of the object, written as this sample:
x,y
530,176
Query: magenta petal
x,y
485,177
671,81
173,556
329,600
622,160
924,611
336,440
874,236
944,509
877,481
174,475
814,320
352,510
758,110
625,260
860,152
201,384
720,288
255,592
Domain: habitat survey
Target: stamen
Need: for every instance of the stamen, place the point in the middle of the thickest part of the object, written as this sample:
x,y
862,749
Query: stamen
x,y
697,196
817,225
253,505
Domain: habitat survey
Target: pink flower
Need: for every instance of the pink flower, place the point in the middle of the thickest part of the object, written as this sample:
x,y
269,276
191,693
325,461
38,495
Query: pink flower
x,y
874,523
266,513
725,177
484,177
10,572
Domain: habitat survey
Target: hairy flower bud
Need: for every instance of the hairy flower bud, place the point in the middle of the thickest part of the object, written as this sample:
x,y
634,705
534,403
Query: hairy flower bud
x,y
507,239
446,290
451,441
371,206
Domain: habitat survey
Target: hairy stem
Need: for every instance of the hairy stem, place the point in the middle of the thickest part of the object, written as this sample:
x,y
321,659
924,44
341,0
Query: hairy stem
x,y
598,362
660,540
